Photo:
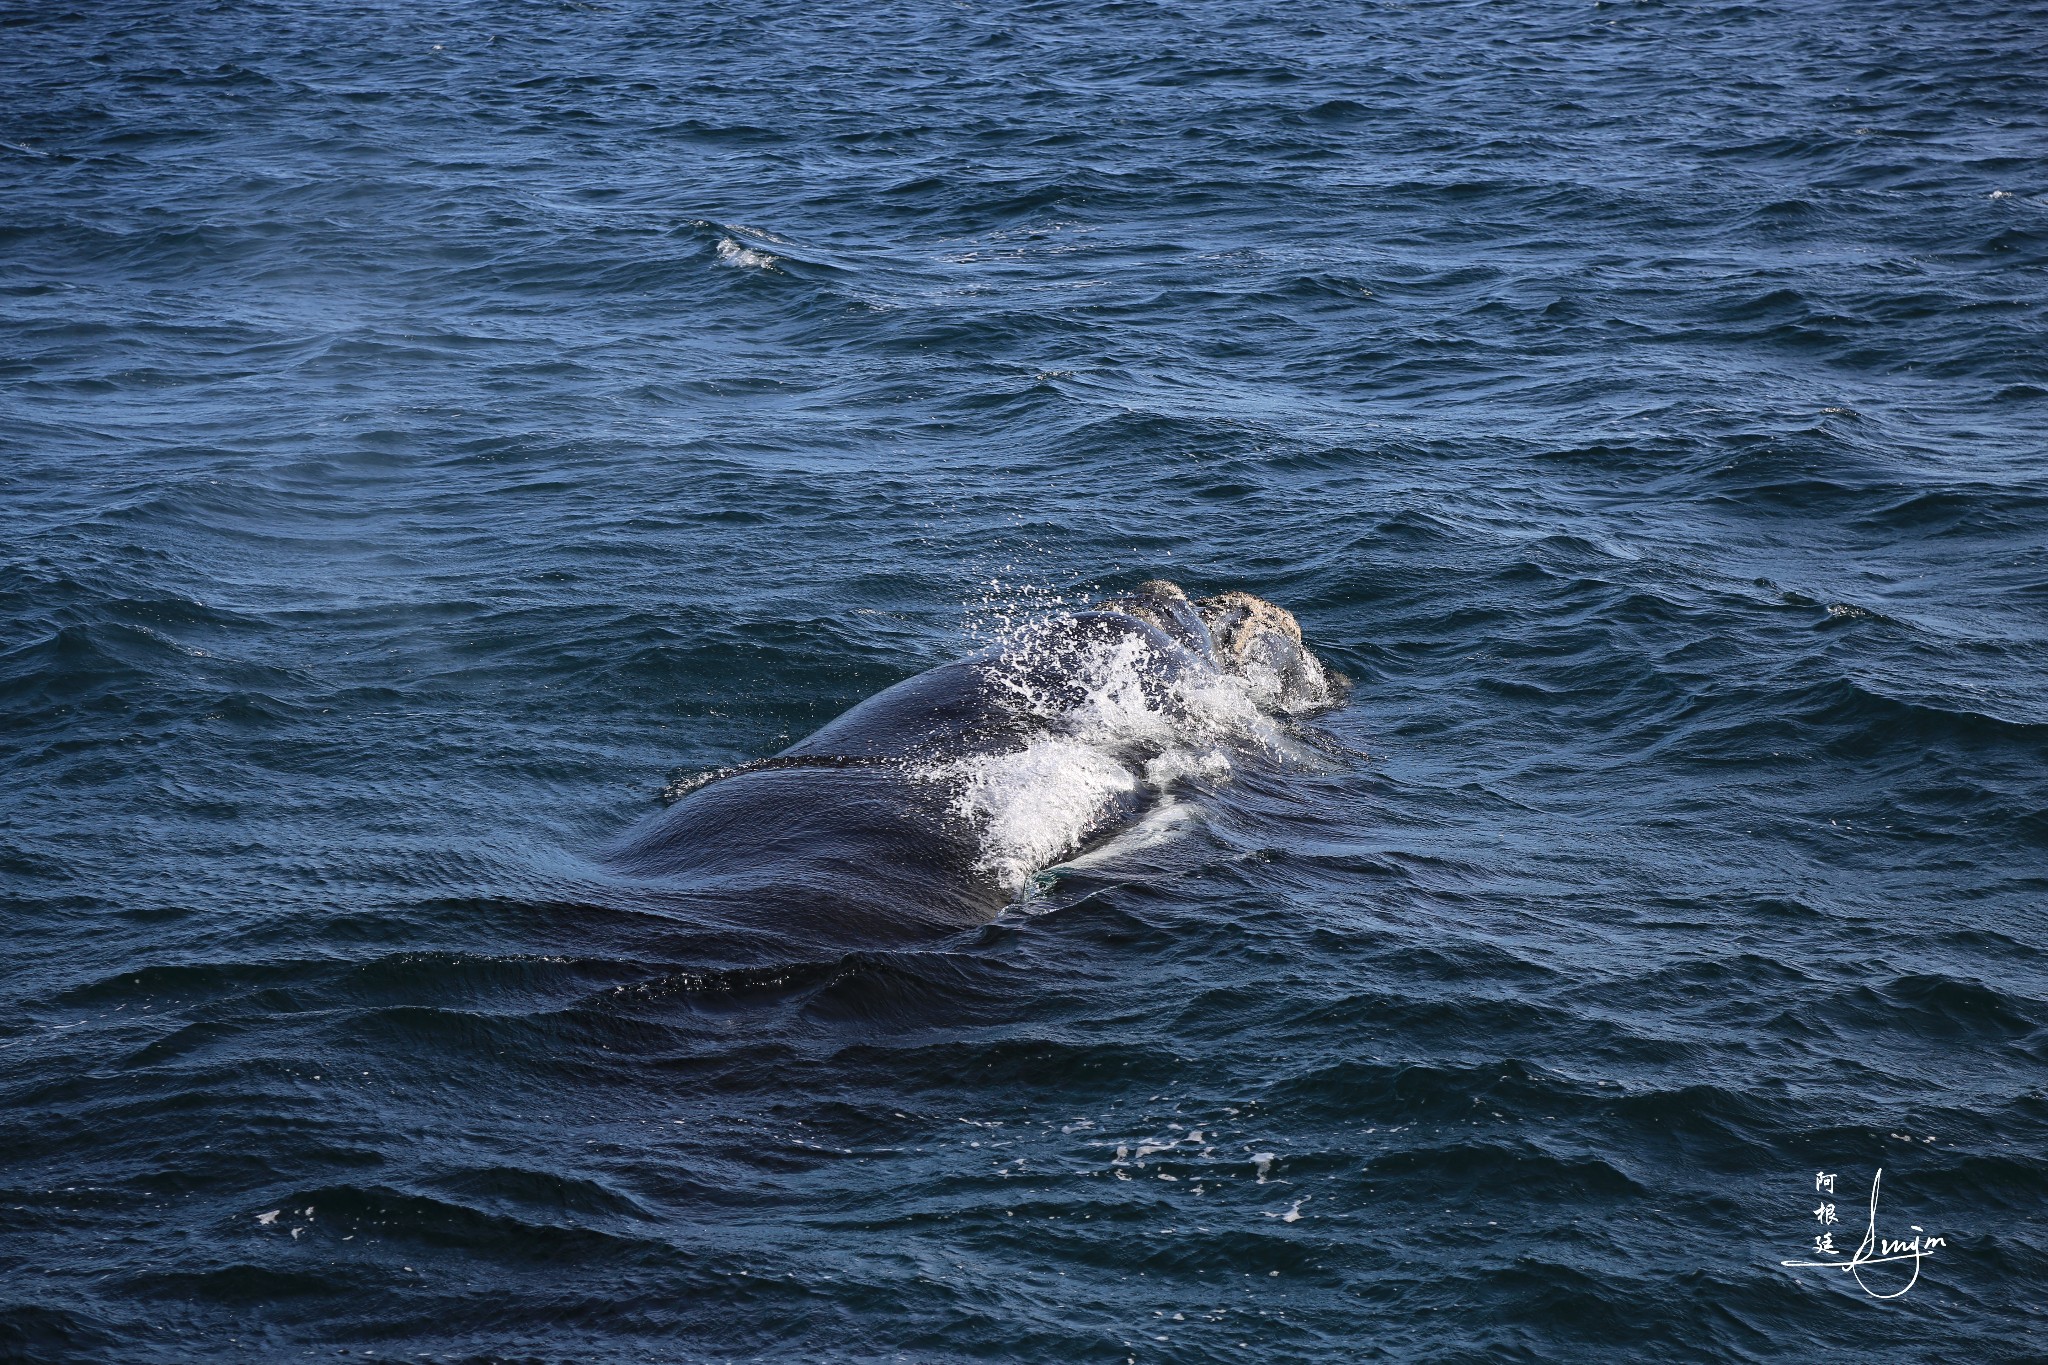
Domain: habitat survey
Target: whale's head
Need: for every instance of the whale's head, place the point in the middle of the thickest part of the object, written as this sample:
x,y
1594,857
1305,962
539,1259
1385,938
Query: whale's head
x,y
1261,643
1163,605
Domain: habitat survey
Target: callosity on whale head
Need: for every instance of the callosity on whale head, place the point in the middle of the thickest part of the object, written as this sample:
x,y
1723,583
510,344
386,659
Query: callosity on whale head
x,y
1261,643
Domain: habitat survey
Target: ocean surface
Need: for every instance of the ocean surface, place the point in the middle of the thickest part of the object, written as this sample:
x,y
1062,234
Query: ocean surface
x,y
427,431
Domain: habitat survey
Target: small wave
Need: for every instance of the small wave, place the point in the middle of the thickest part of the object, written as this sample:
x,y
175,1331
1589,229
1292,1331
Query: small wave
x,y
732,253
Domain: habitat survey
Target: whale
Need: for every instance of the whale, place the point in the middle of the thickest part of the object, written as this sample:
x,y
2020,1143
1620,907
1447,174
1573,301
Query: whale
x,y
937,804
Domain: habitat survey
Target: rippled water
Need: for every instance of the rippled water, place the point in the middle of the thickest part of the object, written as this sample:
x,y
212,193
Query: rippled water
x,y
430,429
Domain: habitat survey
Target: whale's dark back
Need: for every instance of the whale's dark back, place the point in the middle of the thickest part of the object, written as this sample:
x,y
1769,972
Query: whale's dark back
x,y
854,854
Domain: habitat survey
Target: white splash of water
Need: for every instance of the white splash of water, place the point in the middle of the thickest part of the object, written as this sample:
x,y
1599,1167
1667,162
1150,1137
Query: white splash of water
x,y
1112,727
1012,605
1034,805
1307,691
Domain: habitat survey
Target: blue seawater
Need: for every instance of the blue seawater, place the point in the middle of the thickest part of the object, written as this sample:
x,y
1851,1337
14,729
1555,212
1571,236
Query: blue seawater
x,y
427,428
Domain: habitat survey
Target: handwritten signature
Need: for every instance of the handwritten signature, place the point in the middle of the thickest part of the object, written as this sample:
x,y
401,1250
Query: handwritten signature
x,y
1873,1250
